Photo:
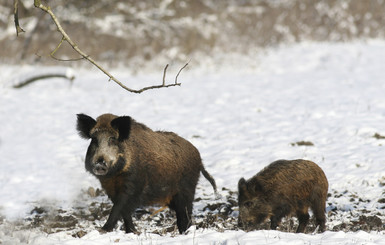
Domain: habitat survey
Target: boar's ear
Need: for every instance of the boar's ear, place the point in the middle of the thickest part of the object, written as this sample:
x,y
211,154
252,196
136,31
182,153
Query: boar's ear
x,y
242,186
84,125
123,125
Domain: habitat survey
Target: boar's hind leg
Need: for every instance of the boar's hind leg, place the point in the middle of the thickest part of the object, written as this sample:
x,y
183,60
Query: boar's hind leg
x,y
182,204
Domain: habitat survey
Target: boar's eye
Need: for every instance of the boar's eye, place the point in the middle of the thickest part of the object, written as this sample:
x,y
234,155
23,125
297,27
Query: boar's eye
x,y
248,204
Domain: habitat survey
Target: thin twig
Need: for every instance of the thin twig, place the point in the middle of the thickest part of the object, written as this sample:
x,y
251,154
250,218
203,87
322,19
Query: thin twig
x,y
65,37
57,47
52,54
164,74
65,60
16,17
177,75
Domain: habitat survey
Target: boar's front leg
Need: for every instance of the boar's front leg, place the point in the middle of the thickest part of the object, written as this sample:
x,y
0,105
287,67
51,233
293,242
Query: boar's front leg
x,y
128,224
115,214
121,208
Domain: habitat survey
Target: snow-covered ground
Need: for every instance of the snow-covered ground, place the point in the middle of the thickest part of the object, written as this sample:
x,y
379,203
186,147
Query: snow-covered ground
x,y
241,116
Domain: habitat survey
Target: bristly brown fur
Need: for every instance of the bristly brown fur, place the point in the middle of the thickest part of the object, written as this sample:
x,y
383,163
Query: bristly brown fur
x,y
284,188
142,167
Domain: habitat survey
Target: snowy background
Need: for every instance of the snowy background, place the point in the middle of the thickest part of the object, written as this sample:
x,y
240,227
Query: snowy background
x,y
241,110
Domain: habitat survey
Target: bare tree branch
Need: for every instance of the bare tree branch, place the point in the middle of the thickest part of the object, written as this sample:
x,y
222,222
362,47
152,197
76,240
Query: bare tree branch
x,y
47,9
52,54
57,47
16,17
45,76
164,74
162,85
177,75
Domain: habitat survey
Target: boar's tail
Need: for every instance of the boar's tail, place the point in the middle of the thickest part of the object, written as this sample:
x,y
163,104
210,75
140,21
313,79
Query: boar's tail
x,y
209,178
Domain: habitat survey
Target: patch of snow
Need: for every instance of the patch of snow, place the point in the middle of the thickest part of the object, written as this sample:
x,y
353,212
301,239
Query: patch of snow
x,y
240,117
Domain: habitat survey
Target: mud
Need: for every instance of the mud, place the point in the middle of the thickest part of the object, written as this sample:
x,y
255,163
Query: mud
x,y
219,215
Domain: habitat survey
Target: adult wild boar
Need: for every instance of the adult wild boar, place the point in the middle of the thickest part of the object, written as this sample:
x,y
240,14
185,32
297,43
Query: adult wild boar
x,y
283,188
137,166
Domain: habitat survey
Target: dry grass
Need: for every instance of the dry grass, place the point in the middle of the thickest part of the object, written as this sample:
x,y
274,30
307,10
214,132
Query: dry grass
x,y
140,31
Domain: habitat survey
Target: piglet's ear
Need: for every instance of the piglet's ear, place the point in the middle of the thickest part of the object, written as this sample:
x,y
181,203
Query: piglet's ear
x,y
256,185
84,125
242,186
123,126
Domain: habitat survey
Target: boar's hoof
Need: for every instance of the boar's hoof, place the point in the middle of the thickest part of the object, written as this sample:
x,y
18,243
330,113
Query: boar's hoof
x,y
106,228
101,231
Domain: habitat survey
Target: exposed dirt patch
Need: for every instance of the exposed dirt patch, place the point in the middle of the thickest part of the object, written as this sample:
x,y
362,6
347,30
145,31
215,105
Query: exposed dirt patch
x,y
378,136
219,215
302,143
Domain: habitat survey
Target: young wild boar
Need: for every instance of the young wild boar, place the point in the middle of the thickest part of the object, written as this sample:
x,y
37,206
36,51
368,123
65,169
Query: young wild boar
x,y
283,188
137,166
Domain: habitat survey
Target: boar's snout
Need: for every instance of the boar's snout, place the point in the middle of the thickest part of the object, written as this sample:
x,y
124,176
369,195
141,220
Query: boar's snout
x,y
100,168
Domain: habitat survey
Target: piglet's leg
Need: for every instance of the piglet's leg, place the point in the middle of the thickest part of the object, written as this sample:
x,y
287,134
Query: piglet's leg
x,y
274,222
303,219
319,213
